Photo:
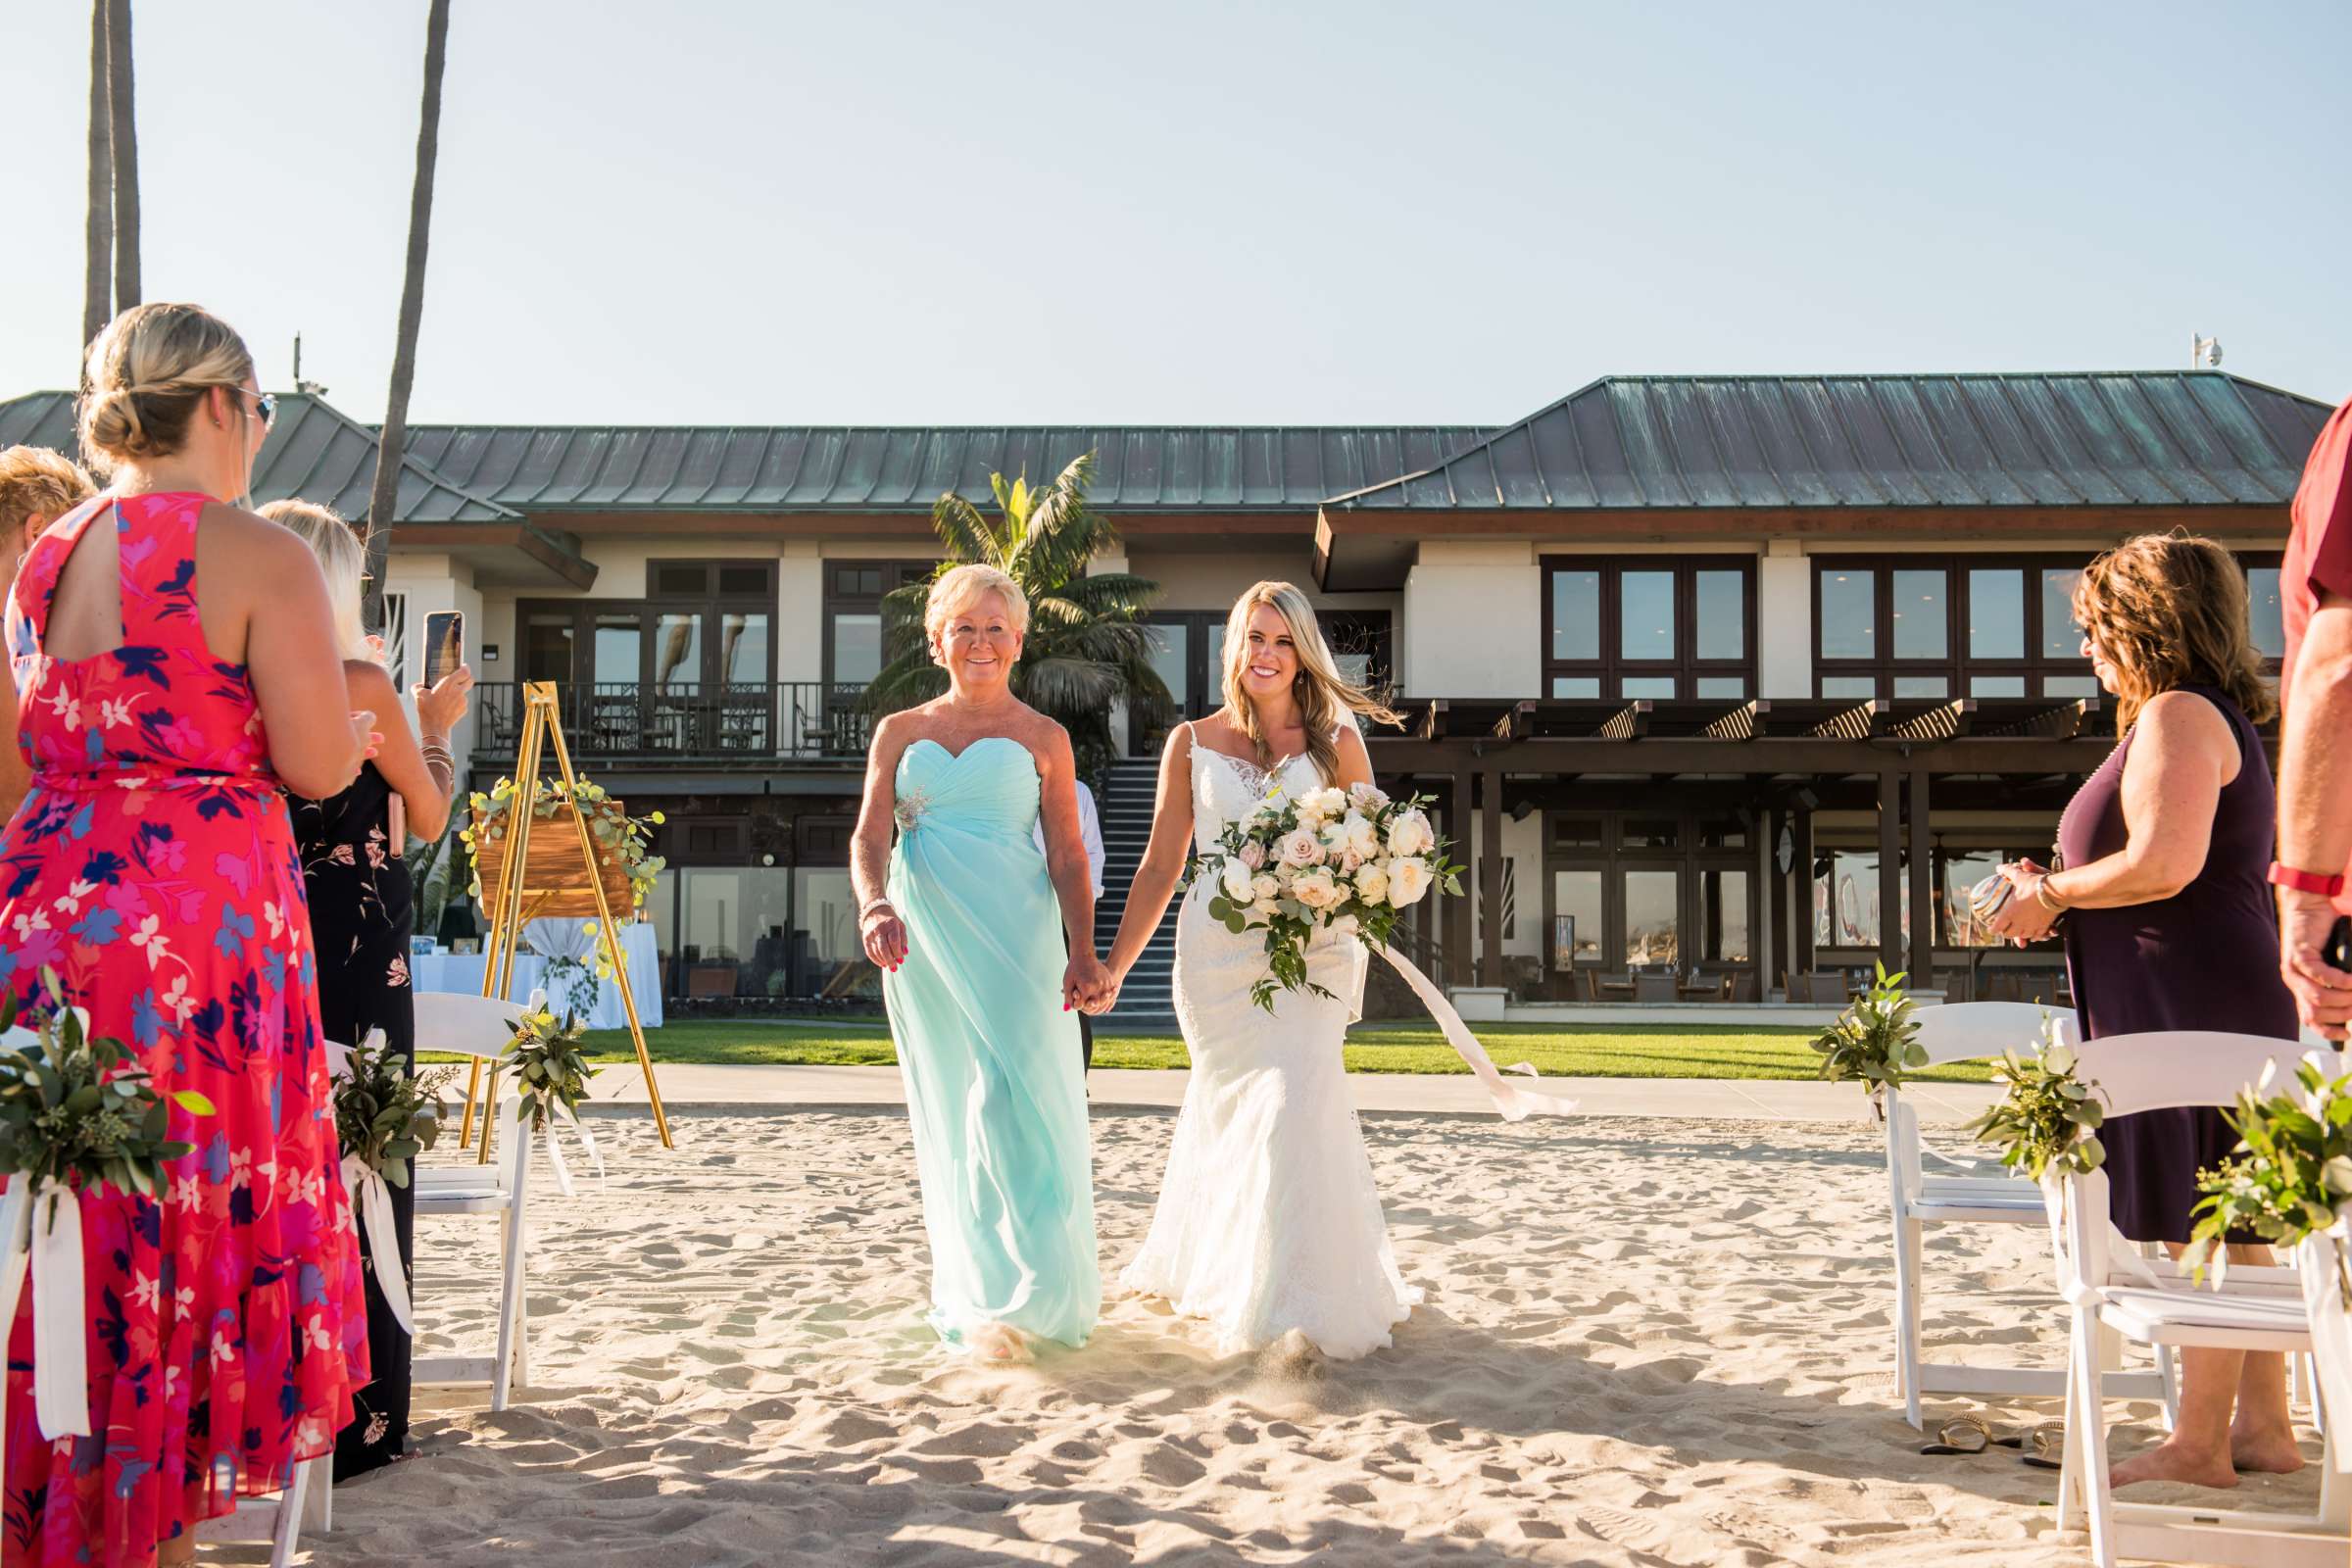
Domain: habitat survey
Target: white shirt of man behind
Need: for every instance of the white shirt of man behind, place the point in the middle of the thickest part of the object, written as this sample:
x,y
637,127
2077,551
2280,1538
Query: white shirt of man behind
x,y
1089,830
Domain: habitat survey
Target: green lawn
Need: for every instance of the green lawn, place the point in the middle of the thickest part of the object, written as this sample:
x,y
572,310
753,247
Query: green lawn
x,y
1655,1050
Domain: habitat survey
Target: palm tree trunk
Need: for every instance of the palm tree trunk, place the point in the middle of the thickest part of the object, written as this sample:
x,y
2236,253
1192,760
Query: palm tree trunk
x,y
119,93
384,498
98,229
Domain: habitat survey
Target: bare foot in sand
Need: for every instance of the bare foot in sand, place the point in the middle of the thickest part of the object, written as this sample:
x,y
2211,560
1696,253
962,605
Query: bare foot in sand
x,y
999,1342
2270,1452
2170,1461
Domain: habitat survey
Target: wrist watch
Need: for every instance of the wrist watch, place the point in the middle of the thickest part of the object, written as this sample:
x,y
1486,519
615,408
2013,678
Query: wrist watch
x,y
2287,876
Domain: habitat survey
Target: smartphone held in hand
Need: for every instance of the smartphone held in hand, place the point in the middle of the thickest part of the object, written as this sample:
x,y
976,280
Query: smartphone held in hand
x,y
444,644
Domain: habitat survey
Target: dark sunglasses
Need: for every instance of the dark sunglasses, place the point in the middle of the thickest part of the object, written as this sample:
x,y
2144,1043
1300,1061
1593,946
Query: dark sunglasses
x,y
265,402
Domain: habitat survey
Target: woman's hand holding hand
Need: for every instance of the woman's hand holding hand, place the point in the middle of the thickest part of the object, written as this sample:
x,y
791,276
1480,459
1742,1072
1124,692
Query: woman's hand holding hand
x,y
2025,917
440,705
884,934
1106,994
1084,981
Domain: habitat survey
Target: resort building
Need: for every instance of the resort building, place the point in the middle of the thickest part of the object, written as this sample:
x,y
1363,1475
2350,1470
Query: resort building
x,y
1726,686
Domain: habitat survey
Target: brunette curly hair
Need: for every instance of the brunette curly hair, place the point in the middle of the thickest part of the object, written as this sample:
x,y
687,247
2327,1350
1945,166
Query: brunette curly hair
x,y
2170,610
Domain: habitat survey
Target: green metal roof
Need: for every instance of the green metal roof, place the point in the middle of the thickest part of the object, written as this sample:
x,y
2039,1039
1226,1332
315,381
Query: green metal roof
x,y
2152,438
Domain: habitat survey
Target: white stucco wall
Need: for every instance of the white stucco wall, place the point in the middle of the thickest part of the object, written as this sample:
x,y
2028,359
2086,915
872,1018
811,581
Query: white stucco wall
x,y
1784,621
1473,621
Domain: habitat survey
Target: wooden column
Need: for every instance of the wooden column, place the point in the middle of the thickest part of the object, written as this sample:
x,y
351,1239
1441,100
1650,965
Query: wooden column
x,y
1458,910
1800,896
1923,885
1891,870
1490,879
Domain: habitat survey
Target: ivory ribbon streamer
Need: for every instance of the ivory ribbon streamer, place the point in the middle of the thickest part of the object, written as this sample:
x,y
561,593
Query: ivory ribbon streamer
x,y
555,1157
596,1159
47,1234
371,1202
1511,1103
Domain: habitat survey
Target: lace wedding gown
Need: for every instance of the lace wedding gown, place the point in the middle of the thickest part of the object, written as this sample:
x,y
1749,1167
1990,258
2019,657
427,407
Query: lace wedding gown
x,y
1267,1220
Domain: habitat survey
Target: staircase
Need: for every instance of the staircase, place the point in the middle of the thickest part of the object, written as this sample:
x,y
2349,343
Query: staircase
x,y
1124,805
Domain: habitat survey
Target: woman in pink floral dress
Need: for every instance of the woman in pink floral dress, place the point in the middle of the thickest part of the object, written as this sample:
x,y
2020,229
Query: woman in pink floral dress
x,y
175,662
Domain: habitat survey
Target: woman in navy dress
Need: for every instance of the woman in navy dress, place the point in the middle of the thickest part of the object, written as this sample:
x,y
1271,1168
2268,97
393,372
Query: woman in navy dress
x,y
2169,925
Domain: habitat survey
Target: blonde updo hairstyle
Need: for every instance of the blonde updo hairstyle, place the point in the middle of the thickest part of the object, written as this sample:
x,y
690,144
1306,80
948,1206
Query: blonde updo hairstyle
x,y
2170,610
342,556
959,589
145,376
1322,693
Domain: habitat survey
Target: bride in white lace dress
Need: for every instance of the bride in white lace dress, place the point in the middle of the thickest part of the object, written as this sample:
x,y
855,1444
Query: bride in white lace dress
x,y
1268,1221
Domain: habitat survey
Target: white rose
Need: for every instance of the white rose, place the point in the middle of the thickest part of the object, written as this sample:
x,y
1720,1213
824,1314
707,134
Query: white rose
x,y
1409,880
1265,910
1322,804
1362,836
1372,884
1236,879
1368,798
1264,886
1300,849
1409,834
1316,889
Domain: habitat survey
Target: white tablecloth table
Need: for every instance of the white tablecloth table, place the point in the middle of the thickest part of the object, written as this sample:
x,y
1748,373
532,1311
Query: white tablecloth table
x,y
462,971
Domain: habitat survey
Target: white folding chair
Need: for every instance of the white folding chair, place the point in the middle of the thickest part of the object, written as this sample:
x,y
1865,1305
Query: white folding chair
x,y
277,1520
2157,1303
476,1026
1969,1031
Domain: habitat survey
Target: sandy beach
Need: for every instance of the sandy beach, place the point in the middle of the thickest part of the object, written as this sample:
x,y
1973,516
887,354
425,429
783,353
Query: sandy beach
x,y
1646,1343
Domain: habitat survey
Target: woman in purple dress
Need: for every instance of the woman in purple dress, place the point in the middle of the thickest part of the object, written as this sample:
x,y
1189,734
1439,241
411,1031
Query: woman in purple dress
x,y
2169,925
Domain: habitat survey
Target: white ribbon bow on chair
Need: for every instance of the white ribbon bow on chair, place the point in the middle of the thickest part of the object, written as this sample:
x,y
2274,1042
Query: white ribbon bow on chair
x,y
40,1225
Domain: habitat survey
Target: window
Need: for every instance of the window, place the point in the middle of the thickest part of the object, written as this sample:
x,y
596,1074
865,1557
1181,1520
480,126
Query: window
x,y
853,593
1935,627
1648,888
1680,629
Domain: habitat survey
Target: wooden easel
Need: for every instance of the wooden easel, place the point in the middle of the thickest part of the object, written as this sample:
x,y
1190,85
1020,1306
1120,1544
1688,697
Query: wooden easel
x,y
514,904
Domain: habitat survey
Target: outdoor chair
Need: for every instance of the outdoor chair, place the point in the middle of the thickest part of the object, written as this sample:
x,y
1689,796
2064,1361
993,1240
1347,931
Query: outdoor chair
x,y
2157,1303
1966,1031
476,1026
1660,987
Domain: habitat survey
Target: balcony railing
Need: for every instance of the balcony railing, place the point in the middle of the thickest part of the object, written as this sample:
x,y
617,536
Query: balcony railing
x,y
735,720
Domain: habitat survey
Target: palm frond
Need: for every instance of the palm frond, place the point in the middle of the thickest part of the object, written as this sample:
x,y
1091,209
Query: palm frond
x,y
1118,594
966,534
907,681
1070,690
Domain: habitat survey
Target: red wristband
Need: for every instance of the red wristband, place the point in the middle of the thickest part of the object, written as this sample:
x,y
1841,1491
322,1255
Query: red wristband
x,y
2287,876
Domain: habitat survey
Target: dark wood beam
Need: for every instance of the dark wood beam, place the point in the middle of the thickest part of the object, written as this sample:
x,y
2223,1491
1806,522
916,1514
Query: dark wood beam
x,y
1630,724
1949,721
1746,723
1489,878
1856,723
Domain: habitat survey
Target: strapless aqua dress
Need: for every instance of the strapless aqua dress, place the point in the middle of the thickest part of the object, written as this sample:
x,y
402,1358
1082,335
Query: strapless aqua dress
x,y
996,1084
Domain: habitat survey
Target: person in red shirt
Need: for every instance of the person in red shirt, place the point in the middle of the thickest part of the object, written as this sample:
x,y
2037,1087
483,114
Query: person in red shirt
x,y
2314,757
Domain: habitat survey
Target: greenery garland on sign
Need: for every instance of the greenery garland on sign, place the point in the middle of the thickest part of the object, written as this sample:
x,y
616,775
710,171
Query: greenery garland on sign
x,y
82,1110
550,1067
2050,1115
627,839
2290,1177
1874,1040
384,1114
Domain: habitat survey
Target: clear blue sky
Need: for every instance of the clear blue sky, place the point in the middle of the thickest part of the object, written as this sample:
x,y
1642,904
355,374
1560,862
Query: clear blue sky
x,y
1017,212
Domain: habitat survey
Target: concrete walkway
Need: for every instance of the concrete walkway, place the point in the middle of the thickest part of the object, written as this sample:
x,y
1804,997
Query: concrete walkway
x,y
769,1088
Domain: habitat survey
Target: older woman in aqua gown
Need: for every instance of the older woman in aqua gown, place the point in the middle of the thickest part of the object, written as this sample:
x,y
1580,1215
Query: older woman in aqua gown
x,y
968,924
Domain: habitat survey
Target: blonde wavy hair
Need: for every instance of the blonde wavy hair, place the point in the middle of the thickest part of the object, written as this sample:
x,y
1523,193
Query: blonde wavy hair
x,y
145,375
1322,693
962,587
36,483
2170,610
343,556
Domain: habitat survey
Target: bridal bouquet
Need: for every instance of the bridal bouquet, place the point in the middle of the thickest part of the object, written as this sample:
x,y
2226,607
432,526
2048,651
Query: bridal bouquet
x,y
1351,859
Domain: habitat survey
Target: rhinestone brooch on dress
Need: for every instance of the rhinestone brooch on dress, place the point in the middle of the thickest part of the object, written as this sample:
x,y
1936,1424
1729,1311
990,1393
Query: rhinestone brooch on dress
x,y
910,808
